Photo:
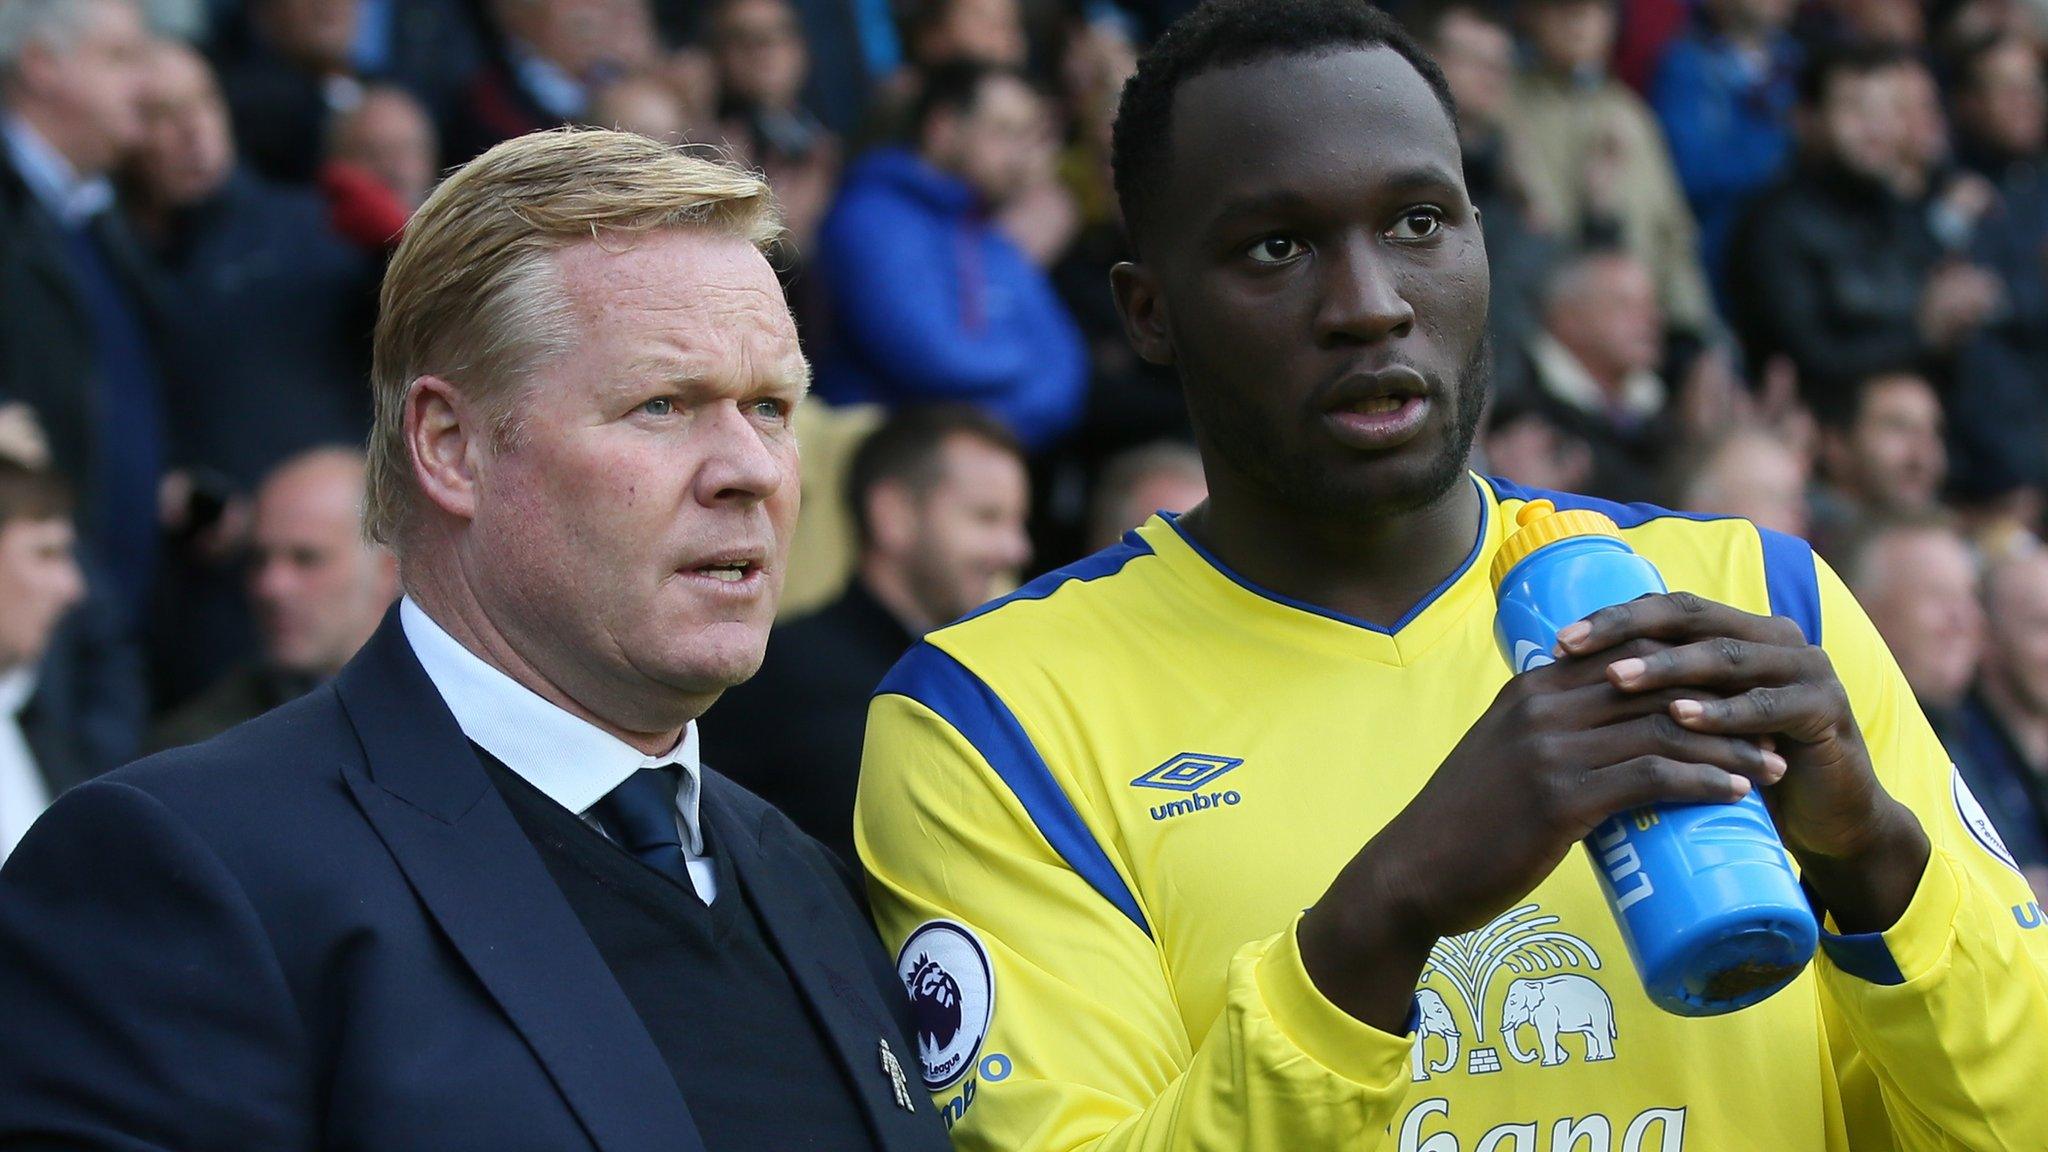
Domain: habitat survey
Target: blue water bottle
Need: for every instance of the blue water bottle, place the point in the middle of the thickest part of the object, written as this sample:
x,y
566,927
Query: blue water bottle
x,y
1705,894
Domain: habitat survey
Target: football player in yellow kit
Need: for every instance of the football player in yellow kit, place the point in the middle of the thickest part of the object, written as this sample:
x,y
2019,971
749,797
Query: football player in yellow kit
x,y
1093,813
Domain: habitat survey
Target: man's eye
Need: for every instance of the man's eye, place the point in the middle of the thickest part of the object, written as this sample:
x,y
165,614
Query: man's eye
x,y
772,409
659,406
1418,224
1276,250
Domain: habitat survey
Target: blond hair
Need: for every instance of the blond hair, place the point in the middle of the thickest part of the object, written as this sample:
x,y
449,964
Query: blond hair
x,y
473,295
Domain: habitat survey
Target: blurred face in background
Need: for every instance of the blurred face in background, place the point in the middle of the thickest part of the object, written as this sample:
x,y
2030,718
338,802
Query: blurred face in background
x,y
1756,476
1857,124
1923,127
1478,59
390,136
1751,17
2016,657
581,37
39,582
982,31
1893,456
318,589
760,52
314,34
1001,145
1919,586
85,98
2003,102
952,547
1606,313
188,149
645,105
1571,35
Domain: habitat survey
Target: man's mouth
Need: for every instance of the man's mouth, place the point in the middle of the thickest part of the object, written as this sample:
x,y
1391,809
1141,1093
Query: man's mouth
x,y
731,573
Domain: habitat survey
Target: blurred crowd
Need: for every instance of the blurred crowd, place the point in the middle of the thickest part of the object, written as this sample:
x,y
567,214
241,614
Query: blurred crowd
x,y
1750,257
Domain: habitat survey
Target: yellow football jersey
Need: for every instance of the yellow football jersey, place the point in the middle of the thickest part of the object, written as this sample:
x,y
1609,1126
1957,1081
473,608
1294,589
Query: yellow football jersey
x,y
1092,813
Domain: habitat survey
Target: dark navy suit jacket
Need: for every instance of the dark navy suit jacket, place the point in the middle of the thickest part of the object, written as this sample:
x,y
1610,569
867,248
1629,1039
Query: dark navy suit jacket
x,y
325,930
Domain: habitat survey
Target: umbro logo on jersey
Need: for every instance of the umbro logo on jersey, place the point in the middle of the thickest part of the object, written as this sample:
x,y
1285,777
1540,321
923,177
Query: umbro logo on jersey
x,y
1191,772
1187,772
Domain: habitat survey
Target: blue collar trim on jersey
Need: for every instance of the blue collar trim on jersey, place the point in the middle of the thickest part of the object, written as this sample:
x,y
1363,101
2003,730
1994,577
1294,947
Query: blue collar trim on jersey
x,y
1421,606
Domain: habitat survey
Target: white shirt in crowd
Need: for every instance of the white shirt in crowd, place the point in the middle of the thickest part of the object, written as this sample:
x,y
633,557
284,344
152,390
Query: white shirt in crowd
x,y
23,792
570,760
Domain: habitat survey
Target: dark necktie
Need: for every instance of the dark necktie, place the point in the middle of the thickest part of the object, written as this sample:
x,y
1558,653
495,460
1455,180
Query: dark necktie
x,y
640,816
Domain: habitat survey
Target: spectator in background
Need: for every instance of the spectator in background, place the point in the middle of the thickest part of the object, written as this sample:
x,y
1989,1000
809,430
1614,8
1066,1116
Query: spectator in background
x,y
1834,267
297,74
763,62
1881,455
1477,54
79,333
929,300
1724,95
318,589
291,68
939,495
1162,477
1523,442
1597,163
941,32
1917,580
2002,750
2001,110
1749,472
644,104
39,583
1999,406
1593,366
1954,200
390,137
269,309
550,60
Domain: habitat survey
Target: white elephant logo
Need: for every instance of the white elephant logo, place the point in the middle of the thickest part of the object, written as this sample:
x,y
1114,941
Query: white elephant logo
x,y
1556,1004
1433,1018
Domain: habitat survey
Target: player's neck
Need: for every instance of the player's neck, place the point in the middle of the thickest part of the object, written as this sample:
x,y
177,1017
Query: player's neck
x,y
1373,569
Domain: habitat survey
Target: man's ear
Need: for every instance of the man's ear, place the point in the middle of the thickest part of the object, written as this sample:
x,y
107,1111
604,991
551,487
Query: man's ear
x,y
445,438
893,516
1143,310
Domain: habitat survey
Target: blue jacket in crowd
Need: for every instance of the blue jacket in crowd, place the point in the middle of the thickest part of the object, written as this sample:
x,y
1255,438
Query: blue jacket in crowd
x,y
1728,119
930,301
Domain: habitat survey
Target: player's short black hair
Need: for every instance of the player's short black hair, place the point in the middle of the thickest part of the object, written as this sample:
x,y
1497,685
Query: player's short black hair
x,y
1844,60
905,450
1222,34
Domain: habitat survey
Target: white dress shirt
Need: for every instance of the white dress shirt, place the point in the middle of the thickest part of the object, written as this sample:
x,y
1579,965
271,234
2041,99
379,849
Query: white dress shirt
x,y
570,760
71,198
23,794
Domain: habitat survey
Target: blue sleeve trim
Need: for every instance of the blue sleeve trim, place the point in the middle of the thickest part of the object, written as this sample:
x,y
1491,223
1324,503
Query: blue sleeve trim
x,y
933,678
1863,956
1792,580
1108,562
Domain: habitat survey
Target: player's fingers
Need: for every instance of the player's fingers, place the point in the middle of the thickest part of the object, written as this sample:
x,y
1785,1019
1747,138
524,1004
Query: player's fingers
x,y
1568,674
1601,703
1723,663
1674,617
1656,780
1662,735
1804,712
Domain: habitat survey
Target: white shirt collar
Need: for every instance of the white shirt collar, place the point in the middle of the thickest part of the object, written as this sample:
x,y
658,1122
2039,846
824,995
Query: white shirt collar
x,y
71,198
1642,394
572,761
17,685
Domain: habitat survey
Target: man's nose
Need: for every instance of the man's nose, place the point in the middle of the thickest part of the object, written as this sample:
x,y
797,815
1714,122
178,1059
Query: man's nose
x,y
1362,299
739,464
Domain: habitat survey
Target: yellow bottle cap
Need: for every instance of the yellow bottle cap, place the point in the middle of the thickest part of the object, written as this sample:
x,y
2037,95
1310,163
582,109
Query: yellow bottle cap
x,y
1540,523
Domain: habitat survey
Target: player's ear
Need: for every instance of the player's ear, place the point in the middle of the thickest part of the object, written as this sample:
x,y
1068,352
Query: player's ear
x,y
1143,310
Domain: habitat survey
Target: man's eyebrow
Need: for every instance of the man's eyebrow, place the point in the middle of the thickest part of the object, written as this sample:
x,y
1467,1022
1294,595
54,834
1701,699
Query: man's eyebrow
x,y
1427,176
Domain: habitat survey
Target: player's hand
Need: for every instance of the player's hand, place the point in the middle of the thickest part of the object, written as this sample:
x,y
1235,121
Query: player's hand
x,y
1559,751
1739,674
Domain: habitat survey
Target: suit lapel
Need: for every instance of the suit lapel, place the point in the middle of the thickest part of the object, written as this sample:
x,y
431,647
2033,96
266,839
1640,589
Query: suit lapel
x,y
829,974
434,807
